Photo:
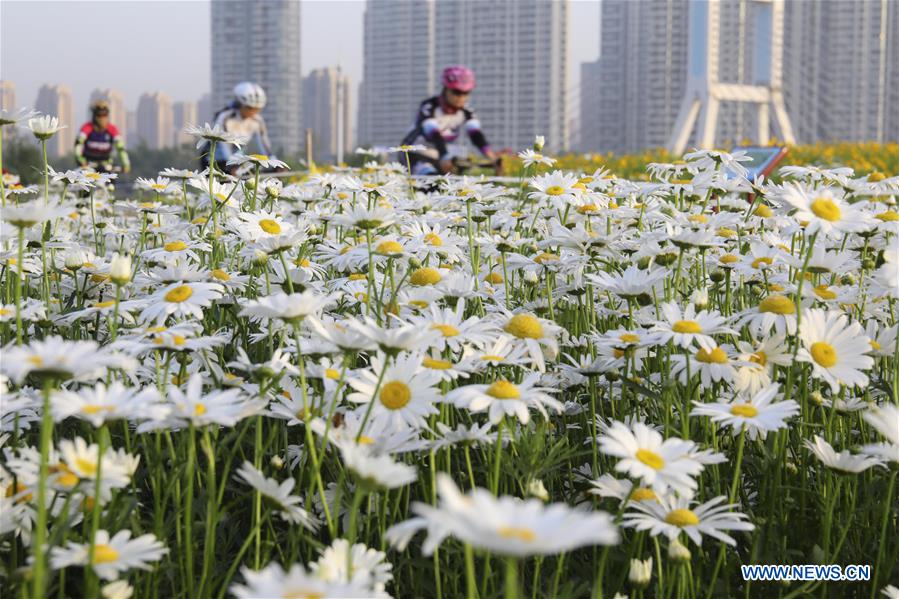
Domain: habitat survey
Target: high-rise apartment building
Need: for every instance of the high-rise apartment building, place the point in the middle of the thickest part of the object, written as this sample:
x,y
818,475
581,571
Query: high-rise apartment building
x,y
260,42
183,114
7,95
398,68
326,110
56,100
517,48
118,114
841,70
154,120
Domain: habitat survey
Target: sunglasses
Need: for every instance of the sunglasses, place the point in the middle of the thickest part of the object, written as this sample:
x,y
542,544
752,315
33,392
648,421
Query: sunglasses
x,y
457,92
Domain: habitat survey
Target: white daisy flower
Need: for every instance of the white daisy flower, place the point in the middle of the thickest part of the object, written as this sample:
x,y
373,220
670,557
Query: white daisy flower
x,y
835,347
289,506
844,462
112,555
504,398
758,414
660,464
672,515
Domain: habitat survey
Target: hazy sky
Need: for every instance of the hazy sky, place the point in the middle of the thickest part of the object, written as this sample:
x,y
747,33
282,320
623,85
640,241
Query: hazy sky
x,y
142,45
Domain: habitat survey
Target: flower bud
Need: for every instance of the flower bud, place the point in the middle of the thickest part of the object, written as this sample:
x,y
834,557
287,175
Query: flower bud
x,y
530,277
640,573
120,269
539,141
259,257
678,552
276,462
74,259
700,298
536,489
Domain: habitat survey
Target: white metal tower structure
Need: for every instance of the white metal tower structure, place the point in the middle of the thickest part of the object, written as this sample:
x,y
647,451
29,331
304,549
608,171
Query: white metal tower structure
x,y
705,92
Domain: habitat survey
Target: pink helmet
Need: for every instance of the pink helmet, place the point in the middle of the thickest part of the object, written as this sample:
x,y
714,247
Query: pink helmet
x,y
458,77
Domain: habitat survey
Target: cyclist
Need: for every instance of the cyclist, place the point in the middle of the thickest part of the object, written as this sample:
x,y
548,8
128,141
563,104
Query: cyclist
x,y
441,120
97,139
242,116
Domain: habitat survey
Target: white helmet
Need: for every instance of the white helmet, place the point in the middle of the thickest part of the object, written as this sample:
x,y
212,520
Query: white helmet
x,y
249,94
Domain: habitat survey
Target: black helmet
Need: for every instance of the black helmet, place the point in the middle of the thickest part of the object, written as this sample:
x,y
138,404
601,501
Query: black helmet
x,y
100,108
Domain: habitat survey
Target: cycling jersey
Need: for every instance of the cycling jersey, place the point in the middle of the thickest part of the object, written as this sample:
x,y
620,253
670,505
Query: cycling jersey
x,y
96,145
253,128
437,125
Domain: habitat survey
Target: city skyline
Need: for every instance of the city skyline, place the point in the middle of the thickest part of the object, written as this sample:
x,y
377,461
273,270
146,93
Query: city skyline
x,y
331,35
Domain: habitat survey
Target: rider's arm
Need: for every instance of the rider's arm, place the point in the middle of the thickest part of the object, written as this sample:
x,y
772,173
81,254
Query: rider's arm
x,y
223,151
430,130
79,145
264,143
477,137
119,146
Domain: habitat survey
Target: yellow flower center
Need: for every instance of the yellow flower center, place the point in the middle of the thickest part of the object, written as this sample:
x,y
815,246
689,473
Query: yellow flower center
x,y
587,209
630,338
103,554
88,467
546,257
888,217
220,274
650,458
758,262
555,190
389,247
269,226
494,278
175,246
435,364
492,358
725,232
824,354
395,395
199,409
524,326
826,209
686,326
874,345
446,329
513,532
763,211
91,409
698,218
682,517
105,304
745,410
728,259
258,156
425,276
824,292
716,356
179,294
332,374
759,358
503,390
777,304
434,239
35,361
643,494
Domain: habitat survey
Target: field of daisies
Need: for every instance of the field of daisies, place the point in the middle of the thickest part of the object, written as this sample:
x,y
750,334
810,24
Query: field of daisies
x,y
356,384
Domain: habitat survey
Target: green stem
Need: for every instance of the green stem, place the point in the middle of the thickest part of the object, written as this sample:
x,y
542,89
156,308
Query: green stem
x,y
40,532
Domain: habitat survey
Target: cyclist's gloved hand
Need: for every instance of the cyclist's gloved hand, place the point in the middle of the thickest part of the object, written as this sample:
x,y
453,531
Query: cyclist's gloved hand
x,y
447,166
